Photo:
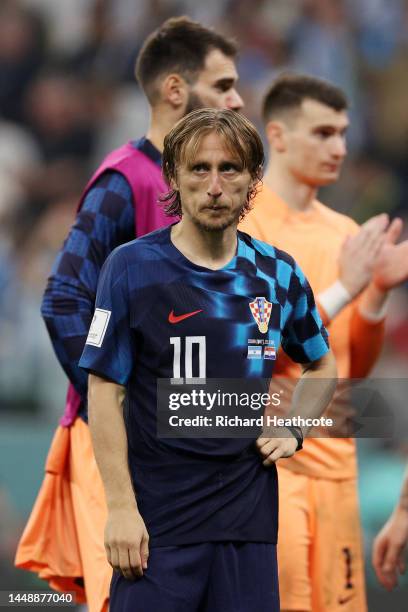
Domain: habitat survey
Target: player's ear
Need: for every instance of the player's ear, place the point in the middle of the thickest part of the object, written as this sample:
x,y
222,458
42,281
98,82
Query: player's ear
x,y
174,90
275,133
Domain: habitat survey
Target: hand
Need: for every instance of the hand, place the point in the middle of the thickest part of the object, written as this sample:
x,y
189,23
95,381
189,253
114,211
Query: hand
x,y
127,542
391,267
272,449
389,549
359,254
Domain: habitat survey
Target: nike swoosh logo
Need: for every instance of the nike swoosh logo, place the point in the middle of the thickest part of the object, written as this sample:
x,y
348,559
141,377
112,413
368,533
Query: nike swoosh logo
x,y
177,318
343,600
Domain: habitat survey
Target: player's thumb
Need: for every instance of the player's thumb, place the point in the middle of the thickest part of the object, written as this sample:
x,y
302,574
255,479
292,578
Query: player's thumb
x,y
144,551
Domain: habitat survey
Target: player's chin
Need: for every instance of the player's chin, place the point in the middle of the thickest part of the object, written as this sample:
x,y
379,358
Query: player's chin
x,y
216,221
325,180
328,177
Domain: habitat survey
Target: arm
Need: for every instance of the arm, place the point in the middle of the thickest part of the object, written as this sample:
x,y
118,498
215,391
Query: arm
x,y
126,537
390,544
108,356
367,328
304,340
105,220
368,320
356,266
311,397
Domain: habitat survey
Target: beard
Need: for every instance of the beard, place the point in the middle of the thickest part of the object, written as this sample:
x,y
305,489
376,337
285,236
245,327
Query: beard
x,y
217,225
194,102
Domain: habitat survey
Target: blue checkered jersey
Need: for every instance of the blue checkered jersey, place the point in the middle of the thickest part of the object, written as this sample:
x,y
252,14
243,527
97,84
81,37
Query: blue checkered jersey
x,y
158,315
105,221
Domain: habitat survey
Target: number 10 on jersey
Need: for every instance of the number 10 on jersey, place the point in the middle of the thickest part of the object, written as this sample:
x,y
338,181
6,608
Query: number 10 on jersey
x,y
186,347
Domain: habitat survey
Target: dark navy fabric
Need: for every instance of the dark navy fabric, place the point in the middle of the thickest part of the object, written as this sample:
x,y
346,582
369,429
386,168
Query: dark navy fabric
x,y
222,577
105,221
198,490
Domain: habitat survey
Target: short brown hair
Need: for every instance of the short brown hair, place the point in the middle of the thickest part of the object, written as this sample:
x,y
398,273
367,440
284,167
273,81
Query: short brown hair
x,y
289,90
178,45
241,138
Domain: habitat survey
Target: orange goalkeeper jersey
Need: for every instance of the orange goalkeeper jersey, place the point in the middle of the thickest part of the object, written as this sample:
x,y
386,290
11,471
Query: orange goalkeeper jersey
x,y
314,238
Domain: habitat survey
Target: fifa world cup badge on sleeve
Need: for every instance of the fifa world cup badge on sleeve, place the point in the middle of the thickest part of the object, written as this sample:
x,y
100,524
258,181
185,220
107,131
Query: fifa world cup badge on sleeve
x,y
261,311
98,327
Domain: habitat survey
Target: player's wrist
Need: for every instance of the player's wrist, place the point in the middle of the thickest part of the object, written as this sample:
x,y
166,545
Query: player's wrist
x,y
119,503
297,433
373,303
335,298
401,508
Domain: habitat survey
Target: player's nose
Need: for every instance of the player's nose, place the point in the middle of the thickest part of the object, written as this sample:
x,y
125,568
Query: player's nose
x,y
214,187
234,101
339,147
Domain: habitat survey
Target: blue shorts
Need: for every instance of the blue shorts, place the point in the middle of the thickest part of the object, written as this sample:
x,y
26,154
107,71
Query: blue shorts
x,y
210,577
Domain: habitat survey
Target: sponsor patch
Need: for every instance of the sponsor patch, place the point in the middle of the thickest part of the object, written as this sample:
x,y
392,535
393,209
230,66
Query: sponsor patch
x,y
98,327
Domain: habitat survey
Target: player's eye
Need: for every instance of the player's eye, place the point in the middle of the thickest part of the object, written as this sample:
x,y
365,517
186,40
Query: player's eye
x,y
200,168
224,86
324,133
229,168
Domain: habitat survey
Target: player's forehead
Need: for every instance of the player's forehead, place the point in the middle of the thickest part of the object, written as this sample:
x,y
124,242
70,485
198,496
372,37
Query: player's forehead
x,y
210,146
218,68
313,114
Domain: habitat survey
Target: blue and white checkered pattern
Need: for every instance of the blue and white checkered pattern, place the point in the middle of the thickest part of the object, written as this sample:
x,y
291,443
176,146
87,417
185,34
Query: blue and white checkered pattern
x,y
105,221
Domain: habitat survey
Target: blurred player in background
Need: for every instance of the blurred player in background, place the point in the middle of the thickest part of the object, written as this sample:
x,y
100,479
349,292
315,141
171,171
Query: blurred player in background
x,y
205,508
351,271
182,66
390,545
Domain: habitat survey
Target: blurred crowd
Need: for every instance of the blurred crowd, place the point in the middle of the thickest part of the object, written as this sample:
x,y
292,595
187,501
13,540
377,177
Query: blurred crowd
x,y
68,96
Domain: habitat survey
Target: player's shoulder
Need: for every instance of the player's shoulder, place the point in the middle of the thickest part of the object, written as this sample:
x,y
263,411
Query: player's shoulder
x,y
266,252
144,248
336,219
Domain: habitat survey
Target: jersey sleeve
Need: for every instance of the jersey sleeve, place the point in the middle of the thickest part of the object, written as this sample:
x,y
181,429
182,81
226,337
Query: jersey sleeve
x,y
108,348
304,337
105,220
366,342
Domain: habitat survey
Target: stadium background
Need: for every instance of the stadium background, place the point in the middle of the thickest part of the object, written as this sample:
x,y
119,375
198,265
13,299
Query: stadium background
x,y
67,96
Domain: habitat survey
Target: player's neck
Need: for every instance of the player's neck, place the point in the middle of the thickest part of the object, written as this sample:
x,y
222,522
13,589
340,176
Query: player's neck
x,y
162,121
297,195
211,250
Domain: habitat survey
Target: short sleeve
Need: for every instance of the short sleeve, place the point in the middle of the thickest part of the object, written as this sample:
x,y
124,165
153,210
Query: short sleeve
x,y
304,337
108,349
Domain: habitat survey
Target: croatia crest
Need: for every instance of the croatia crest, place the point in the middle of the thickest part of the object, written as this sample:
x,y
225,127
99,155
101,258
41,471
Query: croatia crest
x,y
261,311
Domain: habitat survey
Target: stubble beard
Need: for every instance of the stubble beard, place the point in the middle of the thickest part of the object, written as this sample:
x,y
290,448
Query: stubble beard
x,y
218,225
194,102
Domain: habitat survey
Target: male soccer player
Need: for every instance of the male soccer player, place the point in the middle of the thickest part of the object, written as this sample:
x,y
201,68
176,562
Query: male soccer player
x,y
194,520
390,545
181,66
319,552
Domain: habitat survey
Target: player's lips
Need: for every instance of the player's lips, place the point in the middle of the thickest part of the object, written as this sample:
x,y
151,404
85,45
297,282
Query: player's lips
x,y
215,207
332,167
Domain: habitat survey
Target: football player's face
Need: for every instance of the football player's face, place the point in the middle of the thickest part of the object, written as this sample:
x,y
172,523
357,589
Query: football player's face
x,y
316,143
215,86
213,185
